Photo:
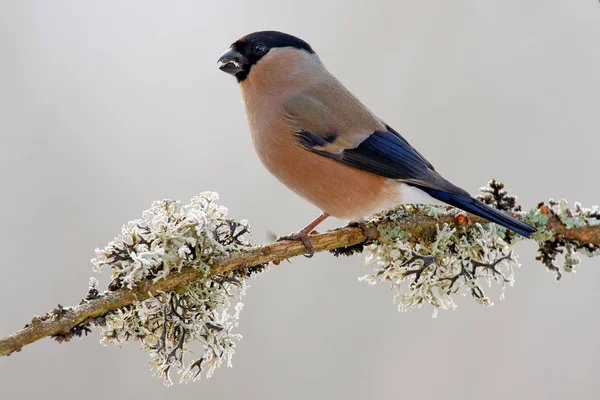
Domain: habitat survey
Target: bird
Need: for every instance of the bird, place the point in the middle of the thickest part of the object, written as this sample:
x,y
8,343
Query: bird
x,y
320,141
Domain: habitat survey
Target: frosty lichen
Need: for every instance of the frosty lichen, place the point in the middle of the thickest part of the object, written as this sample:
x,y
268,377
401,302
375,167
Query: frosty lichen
x,y
457,261
427,253
431,268
169,237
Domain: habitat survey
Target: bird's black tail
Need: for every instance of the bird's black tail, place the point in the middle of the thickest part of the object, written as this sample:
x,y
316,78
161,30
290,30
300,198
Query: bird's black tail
x,y
480,209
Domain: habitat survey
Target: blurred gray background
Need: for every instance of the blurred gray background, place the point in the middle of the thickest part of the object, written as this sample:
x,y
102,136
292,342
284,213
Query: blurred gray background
x,y
107,106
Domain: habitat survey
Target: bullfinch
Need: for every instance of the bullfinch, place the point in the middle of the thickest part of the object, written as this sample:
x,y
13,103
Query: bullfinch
x,y
325,145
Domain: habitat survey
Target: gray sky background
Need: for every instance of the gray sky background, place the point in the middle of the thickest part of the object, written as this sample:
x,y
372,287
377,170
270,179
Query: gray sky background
x,y
107,106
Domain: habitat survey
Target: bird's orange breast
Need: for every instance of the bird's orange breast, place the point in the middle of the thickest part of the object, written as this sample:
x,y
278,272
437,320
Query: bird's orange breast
x,y
337,189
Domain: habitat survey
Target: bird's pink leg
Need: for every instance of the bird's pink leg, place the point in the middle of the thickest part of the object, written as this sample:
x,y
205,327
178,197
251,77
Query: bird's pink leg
x,y
303,234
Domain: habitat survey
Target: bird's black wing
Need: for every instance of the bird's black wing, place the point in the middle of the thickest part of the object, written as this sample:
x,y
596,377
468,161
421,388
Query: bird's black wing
x,y
388,154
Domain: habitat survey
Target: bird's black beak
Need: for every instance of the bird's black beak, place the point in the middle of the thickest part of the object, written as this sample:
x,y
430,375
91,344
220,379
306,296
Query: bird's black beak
x,y
231,62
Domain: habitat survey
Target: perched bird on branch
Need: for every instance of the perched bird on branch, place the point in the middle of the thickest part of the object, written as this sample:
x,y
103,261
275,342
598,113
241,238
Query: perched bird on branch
x,y
324,144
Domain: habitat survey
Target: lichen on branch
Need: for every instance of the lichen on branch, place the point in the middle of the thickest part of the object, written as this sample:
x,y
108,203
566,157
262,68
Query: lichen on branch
x,y
179,272
168,238
434,266
455,261
558,224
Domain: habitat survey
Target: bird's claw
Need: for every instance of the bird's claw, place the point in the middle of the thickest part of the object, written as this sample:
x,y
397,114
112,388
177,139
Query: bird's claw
x,y
305,240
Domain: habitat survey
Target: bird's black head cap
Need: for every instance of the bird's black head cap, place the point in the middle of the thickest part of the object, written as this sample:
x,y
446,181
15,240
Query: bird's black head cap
x,y
255,46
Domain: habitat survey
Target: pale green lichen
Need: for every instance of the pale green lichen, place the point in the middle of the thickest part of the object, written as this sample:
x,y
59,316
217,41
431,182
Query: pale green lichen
x,y
577,216
427,267
434,267
434,211
431,268
457,261
572,259
551,245
169,237
536,218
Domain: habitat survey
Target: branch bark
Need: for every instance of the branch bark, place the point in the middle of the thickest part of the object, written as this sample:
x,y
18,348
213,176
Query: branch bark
x,y
61,322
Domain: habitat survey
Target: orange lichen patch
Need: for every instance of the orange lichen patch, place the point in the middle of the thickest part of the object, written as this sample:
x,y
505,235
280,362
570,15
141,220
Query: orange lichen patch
x,y
463,219
544,209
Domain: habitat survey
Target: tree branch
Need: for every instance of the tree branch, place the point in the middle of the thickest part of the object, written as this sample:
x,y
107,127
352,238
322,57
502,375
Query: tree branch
x,y
63,322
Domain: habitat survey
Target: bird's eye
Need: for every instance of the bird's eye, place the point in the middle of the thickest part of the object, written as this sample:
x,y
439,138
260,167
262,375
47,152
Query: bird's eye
x,y
260,49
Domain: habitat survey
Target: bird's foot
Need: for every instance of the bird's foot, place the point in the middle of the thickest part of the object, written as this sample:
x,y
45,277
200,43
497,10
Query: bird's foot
x,y
302,235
